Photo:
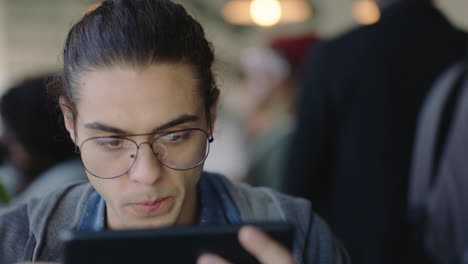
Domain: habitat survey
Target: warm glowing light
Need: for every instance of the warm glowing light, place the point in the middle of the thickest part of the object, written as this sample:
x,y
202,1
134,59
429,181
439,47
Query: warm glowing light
x,y
238,12
92,7
366,12
265,12
247,12
293,11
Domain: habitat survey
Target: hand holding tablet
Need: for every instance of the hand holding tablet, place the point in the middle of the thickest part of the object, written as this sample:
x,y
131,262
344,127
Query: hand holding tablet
x,y
260,245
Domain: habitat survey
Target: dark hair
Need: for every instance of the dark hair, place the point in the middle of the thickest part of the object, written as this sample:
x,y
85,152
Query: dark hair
x,y
33,119
139,33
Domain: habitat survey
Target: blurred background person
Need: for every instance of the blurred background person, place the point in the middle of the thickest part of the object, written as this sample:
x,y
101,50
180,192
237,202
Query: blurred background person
x,y
272,75
4,197
358,111
40,157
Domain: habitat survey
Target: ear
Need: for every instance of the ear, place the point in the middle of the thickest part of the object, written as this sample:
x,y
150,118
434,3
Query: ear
x,y
68,118
213,116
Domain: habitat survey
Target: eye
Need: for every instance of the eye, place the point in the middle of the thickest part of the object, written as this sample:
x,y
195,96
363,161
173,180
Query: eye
x,y
111,143
172,137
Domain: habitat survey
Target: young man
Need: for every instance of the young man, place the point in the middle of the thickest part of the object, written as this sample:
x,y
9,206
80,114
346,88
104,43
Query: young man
x,y
139,101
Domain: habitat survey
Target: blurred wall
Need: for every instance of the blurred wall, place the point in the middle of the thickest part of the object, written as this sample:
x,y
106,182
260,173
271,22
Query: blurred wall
x,y
456,11
3,49
35,34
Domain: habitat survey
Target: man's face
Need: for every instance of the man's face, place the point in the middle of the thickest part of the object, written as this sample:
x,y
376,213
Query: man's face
x,y
123,100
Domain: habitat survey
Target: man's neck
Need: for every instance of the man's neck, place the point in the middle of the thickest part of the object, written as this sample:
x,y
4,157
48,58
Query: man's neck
x,y
190,210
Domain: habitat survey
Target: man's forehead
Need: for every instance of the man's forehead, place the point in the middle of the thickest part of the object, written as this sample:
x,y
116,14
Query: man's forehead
x,y
130,100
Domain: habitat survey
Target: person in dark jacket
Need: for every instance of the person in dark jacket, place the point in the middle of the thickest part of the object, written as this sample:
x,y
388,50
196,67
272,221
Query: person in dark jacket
x,y
357,114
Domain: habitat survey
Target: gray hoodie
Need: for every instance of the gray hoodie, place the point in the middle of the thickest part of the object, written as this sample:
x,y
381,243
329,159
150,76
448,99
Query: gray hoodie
x,y
30,232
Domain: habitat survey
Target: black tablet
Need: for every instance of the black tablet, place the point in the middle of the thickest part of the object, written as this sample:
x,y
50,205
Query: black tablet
x,y
165,245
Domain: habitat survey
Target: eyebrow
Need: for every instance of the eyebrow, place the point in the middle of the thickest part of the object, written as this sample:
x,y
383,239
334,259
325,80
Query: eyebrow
x,y
175,122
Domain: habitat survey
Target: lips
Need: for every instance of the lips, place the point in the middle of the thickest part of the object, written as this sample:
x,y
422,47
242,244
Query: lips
x,y
152,208
151,203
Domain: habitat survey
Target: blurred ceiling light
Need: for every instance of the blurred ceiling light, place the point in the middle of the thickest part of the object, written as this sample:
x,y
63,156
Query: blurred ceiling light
x,y
366,12
266,12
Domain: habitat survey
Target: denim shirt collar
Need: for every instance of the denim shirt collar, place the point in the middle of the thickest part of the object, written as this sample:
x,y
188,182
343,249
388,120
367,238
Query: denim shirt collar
x,y
216,206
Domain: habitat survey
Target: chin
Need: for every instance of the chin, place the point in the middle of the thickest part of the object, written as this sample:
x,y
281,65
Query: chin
x,y
153,222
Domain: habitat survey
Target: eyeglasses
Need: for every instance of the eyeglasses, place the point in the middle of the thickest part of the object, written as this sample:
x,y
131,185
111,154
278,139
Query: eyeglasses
x,y
110,157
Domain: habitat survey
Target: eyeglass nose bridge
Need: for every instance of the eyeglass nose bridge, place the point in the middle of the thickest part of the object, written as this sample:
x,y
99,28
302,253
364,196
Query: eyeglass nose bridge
x,y
157,154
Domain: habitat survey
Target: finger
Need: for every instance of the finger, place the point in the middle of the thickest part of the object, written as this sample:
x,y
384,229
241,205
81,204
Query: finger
x,y
208,258
264,248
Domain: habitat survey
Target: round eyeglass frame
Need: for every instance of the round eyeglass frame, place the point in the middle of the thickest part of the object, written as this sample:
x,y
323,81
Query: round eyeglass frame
x,y
209,138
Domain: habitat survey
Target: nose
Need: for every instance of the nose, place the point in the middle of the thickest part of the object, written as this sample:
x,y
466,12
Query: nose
x,y
147,169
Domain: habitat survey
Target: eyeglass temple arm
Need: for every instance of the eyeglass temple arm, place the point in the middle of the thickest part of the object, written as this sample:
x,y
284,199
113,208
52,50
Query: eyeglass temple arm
x,y
208,118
